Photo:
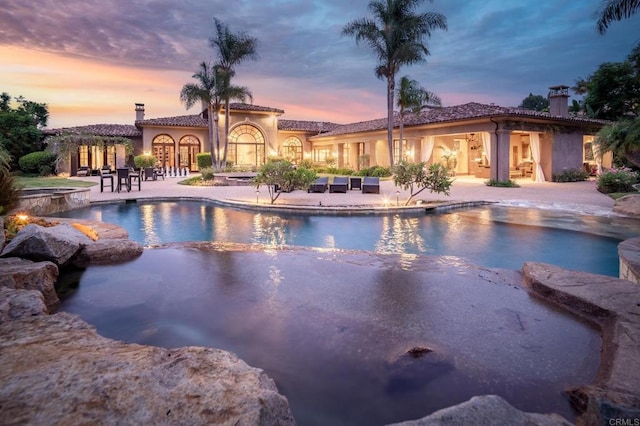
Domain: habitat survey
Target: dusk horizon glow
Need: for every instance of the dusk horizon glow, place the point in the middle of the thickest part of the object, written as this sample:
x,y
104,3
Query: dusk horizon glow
x,y
90,62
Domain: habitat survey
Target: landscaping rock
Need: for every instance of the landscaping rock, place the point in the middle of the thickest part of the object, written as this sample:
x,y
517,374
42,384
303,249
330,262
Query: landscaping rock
x,y
18,304
57,244
486,410
57,370
613,304
25,274
2,237
628,205
107,252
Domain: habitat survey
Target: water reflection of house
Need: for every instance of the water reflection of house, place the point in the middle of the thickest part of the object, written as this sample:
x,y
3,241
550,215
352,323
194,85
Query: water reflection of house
x,y
472,139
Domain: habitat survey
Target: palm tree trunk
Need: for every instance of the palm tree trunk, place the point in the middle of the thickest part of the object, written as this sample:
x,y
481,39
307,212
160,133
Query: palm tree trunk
x,y
211,142
226,132
217,137
391,83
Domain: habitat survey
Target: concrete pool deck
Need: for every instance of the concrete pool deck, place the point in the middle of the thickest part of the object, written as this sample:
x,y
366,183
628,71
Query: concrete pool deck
x,y
578,197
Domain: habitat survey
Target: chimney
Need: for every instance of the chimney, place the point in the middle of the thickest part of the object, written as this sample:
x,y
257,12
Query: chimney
x,y
559,100
139,112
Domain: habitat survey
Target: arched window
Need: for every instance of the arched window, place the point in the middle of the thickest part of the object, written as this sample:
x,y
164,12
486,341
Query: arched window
x,y
292,149
164,150
188,150
246,146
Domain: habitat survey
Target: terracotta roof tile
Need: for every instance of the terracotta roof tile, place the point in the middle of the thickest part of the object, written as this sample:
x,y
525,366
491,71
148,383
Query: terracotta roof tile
x,y
122,130
306,126
466,111
178,121
256,108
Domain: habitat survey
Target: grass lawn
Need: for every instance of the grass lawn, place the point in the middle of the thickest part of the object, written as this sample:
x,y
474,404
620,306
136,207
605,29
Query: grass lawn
x,y
50,182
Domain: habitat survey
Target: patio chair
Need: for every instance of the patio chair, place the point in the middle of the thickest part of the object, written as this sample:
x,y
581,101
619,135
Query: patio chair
x,y
135,175
149,173
123,179
339,184
83,171
320,185
159,172
371,185
106,176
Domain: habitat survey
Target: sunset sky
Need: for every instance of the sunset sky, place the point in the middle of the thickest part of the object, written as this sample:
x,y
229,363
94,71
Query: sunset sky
x,y
90,61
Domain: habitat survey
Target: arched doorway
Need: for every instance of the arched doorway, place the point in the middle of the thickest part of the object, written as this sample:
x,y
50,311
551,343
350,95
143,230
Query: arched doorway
x,y
246,146
188,149
292,149
164,150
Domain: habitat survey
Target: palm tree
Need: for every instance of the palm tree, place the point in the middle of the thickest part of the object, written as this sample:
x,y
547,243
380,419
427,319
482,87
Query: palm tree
x,y
233,49
615,10
396,35
209,91
414,98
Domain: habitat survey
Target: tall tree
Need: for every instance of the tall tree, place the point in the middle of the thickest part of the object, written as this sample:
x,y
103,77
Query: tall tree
x,y
208,90
413,98
20,127
233,49
534,102
397,35
615,10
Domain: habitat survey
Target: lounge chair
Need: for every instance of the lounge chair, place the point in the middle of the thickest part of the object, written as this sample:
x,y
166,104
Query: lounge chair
x,y
339,184
83,171
320,185
158,172
371,185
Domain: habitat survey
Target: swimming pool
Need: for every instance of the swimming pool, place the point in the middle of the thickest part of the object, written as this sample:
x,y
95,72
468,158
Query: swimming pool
x,y
491,236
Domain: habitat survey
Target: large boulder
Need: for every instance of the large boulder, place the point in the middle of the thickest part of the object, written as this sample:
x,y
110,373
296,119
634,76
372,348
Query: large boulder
x,y
57,244
16,273
486,410
107,252
57,370
628,205
18,304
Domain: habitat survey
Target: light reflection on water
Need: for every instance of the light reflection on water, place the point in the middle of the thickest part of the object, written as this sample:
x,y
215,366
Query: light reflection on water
x,y
491,236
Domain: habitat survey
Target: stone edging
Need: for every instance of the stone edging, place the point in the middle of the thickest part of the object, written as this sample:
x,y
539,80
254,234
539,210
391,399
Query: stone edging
x,y
629,254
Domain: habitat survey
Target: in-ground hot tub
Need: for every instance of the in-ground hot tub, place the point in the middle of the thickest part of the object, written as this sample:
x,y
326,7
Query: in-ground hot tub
x,y
44,201
234,178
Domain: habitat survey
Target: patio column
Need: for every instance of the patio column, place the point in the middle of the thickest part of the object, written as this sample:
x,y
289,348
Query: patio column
x,y
499,160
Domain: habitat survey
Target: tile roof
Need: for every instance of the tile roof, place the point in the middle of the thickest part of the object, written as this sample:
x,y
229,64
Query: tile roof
x,y
255,108
178,121
466,111
122,130
306,126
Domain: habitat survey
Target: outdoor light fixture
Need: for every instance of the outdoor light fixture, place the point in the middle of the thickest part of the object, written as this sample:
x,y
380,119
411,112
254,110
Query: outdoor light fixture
x,y
472,141
257,195
22,217
397,198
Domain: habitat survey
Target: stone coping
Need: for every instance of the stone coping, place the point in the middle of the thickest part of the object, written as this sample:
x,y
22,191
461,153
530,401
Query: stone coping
x,y
629,254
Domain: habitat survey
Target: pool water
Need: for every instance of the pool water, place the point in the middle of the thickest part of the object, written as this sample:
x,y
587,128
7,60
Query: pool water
x,y
491,236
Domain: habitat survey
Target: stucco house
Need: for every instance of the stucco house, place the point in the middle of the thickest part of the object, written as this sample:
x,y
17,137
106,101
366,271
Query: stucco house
x,y
485,141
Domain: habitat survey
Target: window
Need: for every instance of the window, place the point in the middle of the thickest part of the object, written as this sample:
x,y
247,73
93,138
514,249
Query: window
x,y
164,150
292,149
320,155
83,156
346,154
399,150
246,146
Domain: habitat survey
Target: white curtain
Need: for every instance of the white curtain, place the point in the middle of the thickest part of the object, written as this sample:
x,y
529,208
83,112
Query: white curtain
x,y
486,145
535,151
427,147
598,156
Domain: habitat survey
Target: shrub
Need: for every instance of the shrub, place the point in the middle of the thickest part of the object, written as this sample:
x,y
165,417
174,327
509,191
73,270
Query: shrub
x,y
207,173
340,171
204,160
617,180
144,160
377,171
502,183
307,164
416,177
40,162
571,175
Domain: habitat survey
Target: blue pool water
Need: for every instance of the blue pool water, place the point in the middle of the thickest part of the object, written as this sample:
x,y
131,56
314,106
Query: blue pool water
x,y
491,236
